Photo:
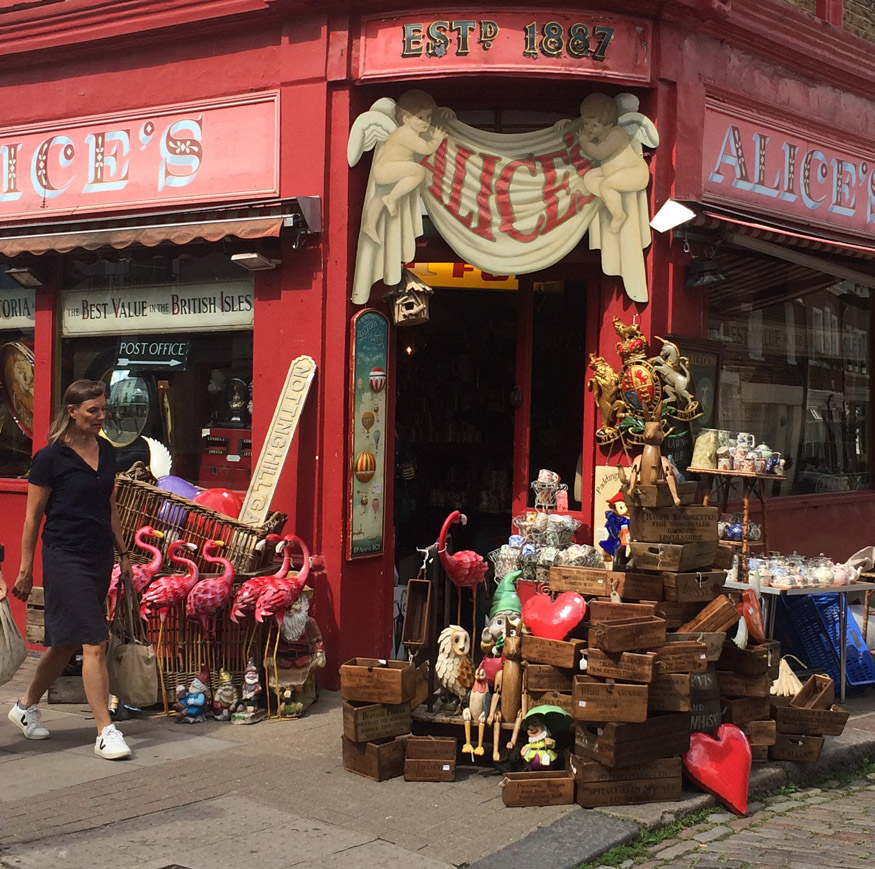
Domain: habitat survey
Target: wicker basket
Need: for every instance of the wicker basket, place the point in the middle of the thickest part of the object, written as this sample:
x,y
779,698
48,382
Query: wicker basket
x,y
183,651
141,503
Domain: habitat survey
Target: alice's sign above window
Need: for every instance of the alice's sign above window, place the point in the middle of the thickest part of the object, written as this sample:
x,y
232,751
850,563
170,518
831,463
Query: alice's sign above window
x,y
198,153
162,309
787,170
583,43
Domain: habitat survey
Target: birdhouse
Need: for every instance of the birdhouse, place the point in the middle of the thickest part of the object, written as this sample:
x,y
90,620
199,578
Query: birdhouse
x,y
409,299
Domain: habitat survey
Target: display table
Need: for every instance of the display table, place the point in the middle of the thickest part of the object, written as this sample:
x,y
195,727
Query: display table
x,y
769,607
752,485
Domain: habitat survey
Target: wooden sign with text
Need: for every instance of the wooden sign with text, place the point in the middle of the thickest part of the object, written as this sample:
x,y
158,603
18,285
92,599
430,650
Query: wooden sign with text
x,y
266,474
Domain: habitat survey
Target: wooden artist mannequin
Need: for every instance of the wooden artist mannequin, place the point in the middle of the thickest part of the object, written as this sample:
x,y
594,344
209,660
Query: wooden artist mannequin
x,y
650,467
509,692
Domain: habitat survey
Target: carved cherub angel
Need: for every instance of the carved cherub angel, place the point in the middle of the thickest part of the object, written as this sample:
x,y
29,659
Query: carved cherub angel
x,y
399,135
612,132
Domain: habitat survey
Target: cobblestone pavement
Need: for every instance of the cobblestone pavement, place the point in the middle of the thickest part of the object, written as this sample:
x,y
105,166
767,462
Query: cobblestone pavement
x,y
831,827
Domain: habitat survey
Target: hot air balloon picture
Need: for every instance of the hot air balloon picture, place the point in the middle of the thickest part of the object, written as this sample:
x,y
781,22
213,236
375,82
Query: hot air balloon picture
x,y
369,381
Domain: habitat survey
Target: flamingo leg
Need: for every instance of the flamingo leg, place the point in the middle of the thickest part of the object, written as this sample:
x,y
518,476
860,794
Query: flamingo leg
x,y
276,672
159,654
266,671
458,606
251,640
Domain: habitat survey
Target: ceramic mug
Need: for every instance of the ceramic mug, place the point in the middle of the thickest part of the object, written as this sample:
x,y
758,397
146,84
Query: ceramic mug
x,y
745,440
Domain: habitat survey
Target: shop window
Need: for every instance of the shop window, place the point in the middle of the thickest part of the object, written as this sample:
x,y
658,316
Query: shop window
x,y
796,374
16,377
16,408
170,334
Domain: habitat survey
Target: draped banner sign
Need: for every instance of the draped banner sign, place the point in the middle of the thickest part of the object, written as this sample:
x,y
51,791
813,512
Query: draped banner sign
x,y
505,203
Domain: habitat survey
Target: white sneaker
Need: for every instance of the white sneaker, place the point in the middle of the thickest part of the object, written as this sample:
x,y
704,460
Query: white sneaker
x,y
28,721
111,745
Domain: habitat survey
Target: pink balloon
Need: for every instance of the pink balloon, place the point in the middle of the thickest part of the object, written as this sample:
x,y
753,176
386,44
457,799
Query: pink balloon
x,y
375,505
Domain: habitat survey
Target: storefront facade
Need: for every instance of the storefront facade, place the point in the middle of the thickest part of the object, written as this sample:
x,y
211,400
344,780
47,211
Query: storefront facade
x,y
140,153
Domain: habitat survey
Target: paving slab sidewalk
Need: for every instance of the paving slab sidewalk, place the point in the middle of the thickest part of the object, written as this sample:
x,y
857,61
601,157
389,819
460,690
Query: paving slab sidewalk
x,y
275,794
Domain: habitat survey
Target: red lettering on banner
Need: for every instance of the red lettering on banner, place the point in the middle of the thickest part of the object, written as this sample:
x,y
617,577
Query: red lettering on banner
x,y
484,215
462,156
505,207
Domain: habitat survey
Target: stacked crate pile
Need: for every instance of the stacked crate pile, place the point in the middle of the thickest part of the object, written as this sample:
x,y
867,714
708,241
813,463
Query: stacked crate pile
x,y
663,629
377,697
802,722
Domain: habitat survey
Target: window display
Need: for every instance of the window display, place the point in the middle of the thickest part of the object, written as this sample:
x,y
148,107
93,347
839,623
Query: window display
x,y
796,372
16,408
170,333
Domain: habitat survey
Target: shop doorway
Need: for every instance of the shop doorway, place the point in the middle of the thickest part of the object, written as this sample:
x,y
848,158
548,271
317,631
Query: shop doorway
x,y
489,390
455,422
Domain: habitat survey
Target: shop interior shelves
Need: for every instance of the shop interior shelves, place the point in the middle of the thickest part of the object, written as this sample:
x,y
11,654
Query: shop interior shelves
x,y
808,627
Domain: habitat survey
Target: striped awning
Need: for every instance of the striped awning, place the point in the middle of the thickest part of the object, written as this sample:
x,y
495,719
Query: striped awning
x,y
796,239
120,231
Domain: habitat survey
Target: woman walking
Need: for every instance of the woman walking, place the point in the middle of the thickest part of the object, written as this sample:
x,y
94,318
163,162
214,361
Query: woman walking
x,y
71,485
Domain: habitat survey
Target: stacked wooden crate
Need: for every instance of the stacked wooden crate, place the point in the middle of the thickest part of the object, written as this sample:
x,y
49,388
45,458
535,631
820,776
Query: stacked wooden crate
x,y
803,721
745,677
634,705
376,712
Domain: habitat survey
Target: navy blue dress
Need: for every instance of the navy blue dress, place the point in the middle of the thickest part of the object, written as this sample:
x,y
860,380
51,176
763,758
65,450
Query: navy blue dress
x,y
77,541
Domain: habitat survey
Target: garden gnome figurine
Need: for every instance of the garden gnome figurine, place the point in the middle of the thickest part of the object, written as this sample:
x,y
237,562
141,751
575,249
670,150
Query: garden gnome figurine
x,y
248,710
540,750
226,697
195,701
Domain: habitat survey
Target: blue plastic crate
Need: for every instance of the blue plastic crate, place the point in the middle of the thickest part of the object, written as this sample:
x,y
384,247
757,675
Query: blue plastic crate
x,y
808,628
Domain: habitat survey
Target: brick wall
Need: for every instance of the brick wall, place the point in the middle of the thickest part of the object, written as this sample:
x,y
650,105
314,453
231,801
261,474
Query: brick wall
x,y
859,18
859,15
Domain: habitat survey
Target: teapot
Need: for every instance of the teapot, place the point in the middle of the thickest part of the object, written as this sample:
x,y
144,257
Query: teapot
x,y
824,574
846,574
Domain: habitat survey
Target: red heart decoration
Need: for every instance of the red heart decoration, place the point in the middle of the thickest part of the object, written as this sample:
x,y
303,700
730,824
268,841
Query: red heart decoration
x,y
721,765
554,619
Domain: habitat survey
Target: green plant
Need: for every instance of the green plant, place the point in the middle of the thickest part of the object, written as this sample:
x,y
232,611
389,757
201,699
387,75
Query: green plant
x,y
638,849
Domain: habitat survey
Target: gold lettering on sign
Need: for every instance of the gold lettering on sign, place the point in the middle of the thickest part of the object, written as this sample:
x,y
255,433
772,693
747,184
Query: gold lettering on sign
x,y
278,441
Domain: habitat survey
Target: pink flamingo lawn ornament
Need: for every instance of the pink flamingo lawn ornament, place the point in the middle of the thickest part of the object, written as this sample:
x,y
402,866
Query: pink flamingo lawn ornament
x,y
245,597
465,568
143,573
166,592
277,599
212,593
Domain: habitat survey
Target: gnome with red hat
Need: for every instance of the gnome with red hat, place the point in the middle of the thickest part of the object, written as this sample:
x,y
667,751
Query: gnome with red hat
x,y
617,526
194,703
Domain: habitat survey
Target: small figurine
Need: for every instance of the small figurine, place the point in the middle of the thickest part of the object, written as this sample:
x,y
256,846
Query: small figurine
x,y
540,750
194,701
289,707
300,638
617,526
650,467
476,710
226,697
454,669
248,709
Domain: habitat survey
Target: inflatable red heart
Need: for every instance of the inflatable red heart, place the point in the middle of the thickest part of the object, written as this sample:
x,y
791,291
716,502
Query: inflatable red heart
x,y
554,619
721,765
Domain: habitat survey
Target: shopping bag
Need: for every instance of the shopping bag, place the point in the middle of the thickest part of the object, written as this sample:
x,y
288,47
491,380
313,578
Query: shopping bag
x,y
130,658
12,648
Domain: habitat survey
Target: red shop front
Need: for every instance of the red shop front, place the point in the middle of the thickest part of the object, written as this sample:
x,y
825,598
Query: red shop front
x,y
129,191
